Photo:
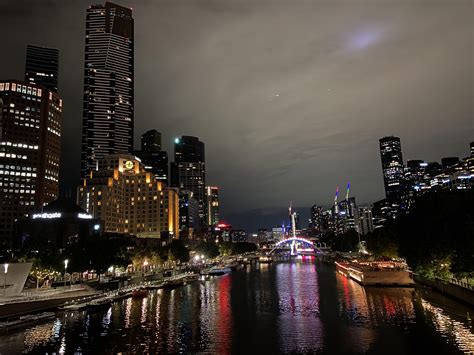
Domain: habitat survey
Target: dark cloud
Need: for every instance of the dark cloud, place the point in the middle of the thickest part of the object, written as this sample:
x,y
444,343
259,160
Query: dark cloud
x,y
290,97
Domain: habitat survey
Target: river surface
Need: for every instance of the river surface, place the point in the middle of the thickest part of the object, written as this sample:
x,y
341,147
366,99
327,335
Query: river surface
x,y
287,307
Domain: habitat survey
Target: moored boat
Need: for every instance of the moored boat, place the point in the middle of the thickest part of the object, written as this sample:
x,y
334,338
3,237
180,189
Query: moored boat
x,y
217,271
376,273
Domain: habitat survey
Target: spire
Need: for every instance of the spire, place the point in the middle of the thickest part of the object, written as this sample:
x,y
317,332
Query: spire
x,y
347,191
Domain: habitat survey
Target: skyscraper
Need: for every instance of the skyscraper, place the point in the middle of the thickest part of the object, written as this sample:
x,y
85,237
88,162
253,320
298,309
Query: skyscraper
x,y
30,149
316,220
42,66
151,141
188,172
107,124
153,158
212,200
392,166
188,149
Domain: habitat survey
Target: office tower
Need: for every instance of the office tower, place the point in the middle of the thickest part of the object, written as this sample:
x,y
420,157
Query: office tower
x,y
366,224
151,141
188,214
349,214
127,199
471,145
449,162
154,160
42,66
392,166
30,148
212,200
188,149
156,163
188,172
107,123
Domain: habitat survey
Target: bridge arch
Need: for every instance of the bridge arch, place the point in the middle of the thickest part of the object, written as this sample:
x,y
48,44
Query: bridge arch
x,y
292,240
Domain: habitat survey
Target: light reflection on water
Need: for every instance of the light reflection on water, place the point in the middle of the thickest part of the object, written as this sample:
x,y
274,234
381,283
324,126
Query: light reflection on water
x,y
282,307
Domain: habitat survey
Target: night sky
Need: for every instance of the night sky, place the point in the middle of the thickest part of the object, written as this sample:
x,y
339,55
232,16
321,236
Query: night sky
x,y
290,97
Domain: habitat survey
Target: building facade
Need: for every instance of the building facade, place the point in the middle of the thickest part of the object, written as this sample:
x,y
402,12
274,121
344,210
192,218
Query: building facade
x,y
30,149
392,166
151,141
212,201
42,67
153,158
107,123
188,214
128,200
188,171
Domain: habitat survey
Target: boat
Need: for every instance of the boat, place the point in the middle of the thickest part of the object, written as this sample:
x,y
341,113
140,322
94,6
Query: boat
x,y
100,303
217,271
25,320
375,273
265,259
139,293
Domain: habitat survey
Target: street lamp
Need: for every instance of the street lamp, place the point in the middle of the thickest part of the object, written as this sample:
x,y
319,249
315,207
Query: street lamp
x,y
65,269
5,280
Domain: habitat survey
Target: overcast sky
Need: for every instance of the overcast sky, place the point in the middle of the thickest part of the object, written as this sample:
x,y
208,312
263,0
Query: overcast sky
x,y
290,97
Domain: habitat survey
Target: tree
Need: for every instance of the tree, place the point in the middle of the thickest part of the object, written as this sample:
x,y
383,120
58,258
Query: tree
x,y
208,249
383,242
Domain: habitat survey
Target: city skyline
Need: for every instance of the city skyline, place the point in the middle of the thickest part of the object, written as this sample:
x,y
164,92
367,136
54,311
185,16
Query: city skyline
x,y
246,121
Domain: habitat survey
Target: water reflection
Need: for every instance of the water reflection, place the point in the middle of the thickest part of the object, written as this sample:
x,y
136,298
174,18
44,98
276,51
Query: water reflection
x,y
300,327
454,330
282,307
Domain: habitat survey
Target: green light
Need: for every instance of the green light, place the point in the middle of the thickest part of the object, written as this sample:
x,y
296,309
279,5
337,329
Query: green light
x,y
176,140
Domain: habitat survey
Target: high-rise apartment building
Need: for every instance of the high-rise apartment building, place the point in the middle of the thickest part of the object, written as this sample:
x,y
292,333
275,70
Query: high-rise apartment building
x,y
107,123
188,172
42,67
30,148
392,166
212,200
128,199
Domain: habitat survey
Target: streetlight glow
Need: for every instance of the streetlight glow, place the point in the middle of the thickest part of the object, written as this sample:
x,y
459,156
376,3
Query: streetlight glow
x,y
5,268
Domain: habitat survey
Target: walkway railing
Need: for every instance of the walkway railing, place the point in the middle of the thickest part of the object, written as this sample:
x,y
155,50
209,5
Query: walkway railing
x,y
457,282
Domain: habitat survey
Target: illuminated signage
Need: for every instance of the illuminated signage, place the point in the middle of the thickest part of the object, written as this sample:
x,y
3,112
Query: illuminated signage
x,y
129,165
47,215
84,216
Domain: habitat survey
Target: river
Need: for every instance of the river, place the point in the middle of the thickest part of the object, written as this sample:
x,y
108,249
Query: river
x,y
302,306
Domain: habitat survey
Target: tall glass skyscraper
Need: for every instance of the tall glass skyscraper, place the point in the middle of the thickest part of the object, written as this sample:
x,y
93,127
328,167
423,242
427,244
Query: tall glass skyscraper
x,y
392,166
188,172
42,66
107,125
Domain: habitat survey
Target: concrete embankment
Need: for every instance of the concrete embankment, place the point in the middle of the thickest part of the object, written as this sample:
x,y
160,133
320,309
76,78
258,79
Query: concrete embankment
x,y
459,293
24,306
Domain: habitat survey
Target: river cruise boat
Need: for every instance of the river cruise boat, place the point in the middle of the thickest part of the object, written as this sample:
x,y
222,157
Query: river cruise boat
x,y
376,273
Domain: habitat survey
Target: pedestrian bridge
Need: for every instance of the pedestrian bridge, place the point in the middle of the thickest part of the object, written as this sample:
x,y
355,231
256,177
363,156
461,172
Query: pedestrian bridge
x,y
299,246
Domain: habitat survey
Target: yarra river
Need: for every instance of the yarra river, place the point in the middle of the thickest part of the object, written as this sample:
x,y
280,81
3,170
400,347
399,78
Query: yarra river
x,y
286,307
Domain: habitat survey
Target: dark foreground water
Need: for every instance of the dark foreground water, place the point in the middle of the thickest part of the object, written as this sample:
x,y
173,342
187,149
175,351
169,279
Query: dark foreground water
x,y
293,307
